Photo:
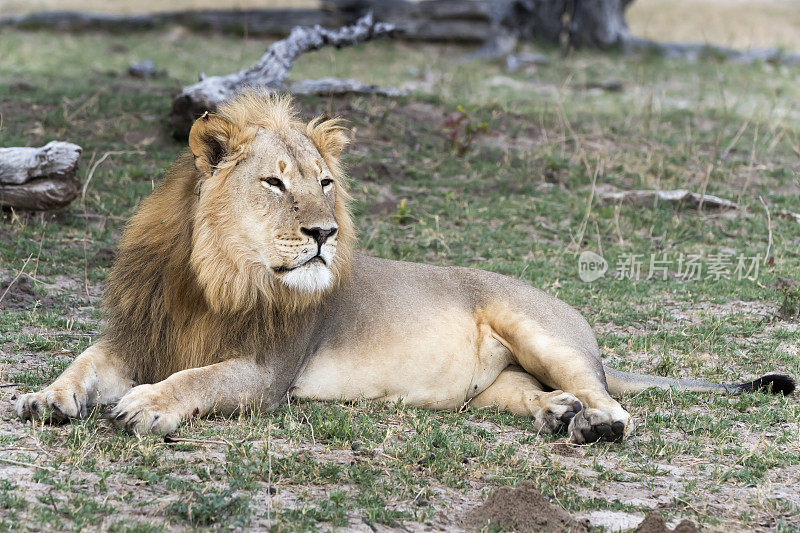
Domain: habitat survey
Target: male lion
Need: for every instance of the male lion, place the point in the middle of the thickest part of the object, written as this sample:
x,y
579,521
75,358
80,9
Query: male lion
x,y
236,283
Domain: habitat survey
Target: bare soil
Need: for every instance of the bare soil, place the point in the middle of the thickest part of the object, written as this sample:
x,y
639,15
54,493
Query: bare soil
x,y
19,294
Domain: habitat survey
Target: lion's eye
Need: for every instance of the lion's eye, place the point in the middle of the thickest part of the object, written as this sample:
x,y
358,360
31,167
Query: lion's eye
x,y
274,182
326,182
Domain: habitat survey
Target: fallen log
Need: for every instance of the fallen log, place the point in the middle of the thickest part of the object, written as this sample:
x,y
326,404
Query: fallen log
x,y
591,23
696,51
338,86
39,179
458,21
270,71
450,22
20,164
462,21
253,22
677,196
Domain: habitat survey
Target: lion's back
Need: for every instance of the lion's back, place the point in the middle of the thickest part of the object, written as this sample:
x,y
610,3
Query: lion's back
x,y
381,290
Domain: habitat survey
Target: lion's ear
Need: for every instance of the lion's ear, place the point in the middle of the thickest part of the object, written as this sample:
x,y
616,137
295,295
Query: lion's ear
x,y
209,140
329,136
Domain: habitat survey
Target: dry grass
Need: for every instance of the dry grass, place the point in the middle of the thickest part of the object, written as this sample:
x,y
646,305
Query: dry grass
x,y
737,23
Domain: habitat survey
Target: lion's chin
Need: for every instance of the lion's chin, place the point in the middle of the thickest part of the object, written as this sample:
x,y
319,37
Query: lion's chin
x,y
314,276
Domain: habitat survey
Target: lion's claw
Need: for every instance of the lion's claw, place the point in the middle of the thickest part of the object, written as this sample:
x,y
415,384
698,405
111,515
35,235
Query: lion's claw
x,y
52,405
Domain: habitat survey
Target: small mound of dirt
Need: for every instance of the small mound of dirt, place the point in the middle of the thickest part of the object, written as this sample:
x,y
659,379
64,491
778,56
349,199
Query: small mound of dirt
x,y
21,294
566,450
522,509
654,523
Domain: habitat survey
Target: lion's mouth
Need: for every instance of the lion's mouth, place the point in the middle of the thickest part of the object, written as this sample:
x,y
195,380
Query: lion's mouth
x,y
283,270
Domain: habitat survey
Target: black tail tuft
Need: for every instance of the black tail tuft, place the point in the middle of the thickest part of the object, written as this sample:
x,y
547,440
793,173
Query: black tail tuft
x,y
772,383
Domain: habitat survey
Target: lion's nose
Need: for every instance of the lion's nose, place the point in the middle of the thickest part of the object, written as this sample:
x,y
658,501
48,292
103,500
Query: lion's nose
x,y
320,235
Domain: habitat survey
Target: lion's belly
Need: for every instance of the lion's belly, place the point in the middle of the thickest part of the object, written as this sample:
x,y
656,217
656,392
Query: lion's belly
x,y
438,362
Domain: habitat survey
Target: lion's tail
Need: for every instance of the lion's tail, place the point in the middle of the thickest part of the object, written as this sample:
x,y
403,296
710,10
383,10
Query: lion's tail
x,y
621,382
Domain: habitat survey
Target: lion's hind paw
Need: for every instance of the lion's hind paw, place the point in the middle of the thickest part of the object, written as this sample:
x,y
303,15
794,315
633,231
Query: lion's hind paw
x,y
557,412
591,425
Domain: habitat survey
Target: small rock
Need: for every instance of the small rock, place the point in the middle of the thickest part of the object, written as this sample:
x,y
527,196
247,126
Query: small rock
x,y
612,86
23,86
505,81
518,61
144,69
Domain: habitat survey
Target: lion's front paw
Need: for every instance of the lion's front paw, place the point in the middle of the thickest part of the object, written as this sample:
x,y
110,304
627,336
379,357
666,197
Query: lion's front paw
x,y
557,412
53,405
147,409
591,425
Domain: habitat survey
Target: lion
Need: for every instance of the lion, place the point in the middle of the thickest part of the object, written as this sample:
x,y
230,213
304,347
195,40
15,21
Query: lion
x,y
237,284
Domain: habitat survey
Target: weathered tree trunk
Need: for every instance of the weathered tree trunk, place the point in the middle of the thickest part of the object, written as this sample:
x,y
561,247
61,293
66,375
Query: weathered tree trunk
x,y
39,179
598,23
536,19
270,71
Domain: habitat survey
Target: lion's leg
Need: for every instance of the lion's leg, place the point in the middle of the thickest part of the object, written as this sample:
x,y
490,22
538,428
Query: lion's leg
x,y
227,387
95,376
572,369
572,365
517,391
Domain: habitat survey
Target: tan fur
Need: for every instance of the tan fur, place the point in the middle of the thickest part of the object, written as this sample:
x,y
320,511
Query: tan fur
x,y
236,284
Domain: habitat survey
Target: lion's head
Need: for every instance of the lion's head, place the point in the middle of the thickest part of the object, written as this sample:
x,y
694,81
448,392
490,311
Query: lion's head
x,y
271,217
248,231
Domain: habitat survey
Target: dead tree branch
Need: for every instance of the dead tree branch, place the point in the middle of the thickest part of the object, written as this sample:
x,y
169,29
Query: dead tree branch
x,y
270,71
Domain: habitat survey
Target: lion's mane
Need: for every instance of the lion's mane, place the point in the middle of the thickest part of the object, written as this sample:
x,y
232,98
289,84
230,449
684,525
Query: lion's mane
x,y
180,295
